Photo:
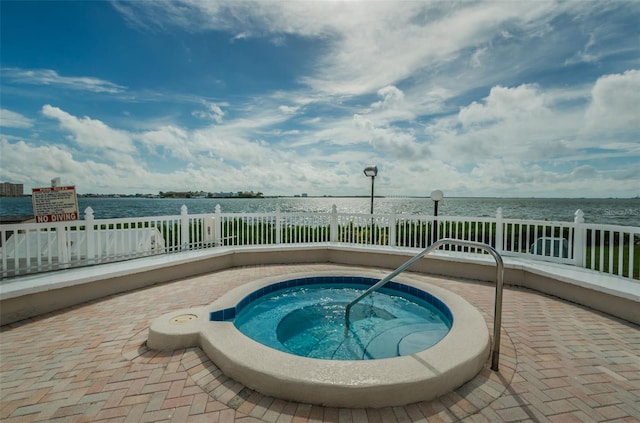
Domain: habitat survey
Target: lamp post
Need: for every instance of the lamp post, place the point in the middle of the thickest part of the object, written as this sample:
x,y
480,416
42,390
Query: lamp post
x,y
436,195
371,171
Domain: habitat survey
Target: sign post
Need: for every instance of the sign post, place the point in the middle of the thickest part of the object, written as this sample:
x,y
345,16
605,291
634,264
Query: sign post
x,y
55,204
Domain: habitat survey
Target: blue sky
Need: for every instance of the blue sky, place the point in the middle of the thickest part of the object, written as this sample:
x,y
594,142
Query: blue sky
x,y
479,98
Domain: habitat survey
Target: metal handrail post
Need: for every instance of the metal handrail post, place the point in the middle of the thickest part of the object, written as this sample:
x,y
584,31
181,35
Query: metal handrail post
x,y
497,318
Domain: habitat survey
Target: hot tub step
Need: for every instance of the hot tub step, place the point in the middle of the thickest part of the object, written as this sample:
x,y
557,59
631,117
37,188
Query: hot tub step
x,y
404,338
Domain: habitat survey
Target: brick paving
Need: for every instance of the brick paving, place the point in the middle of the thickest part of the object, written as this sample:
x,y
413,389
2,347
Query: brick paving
x,y
560,363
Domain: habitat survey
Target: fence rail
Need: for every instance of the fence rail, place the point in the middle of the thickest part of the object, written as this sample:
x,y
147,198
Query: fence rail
x,y
39,247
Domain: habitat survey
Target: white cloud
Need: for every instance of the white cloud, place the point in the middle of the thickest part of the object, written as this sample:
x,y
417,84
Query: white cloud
x,y
517,123
523,102
241,36
391,97
615,102
89,132
35,165
366,45
386,44
476,58
501,176
228,156
391,142
9,119
584,56
392,83
212,111
96,137
170,141
526,124
51,77
289,110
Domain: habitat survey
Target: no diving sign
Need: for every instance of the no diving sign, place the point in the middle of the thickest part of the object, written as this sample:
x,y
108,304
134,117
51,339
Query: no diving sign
x,y
55,204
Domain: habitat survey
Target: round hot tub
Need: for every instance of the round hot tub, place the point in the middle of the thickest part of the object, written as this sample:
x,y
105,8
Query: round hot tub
x,y
306,317
284,337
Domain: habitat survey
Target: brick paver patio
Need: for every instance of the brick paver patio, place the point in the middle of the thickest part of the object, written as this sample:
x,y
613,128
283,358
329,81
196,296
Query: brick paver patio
x,y
560,362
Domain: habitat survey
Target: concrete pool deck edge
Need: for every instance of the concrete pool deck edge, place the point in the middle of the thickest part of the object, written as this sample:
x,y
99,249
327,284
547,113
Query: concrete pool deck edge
x,y
33,295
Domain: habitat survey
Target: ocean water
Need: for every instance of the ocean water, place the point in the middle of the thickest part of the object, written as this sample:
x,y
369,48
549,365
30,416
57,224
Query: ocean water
x,y
599,210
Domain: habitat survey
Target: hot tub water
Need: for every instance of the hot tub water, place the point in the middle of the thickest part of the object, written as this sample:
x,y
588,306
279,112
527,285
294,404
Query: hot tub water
x,y
308,320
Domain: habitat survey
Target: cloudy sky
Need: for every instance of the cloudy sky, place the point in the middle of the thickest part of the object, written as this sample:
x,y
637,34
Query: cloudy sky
x,y
476,98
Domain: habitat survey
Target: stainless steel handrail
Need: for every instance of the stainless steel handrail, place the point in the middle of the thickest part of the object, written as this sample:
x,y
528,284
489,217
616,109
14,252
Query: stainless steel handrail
x,y
497,318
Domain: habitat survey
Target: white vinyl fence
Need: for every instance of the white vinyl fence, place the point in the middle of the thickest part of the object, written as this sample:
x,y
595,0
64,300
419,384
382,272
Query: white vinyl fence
x,y
38,247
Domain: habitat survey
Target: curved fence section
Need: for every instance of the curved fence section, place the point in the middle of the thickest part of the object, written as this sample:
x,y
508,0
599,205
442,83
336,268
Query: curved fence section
x,y
39,247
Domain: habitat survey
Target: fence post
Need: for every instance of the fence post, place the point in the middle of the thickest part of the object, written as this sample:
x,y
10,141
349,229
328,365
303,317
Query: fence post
x,y
392,230
499,230
334,224
278,226
63,245
579,242
89,234
184,227
218,222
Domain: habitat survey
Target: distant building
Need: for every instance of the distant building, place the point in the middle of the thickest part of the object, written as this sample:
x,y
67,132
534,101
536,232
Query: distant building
x,y
7,189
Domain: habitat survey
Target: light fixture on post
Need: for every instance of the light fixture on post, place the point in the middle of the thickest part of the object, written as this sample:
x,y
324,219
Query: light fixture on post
x,y
371,171
436,195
